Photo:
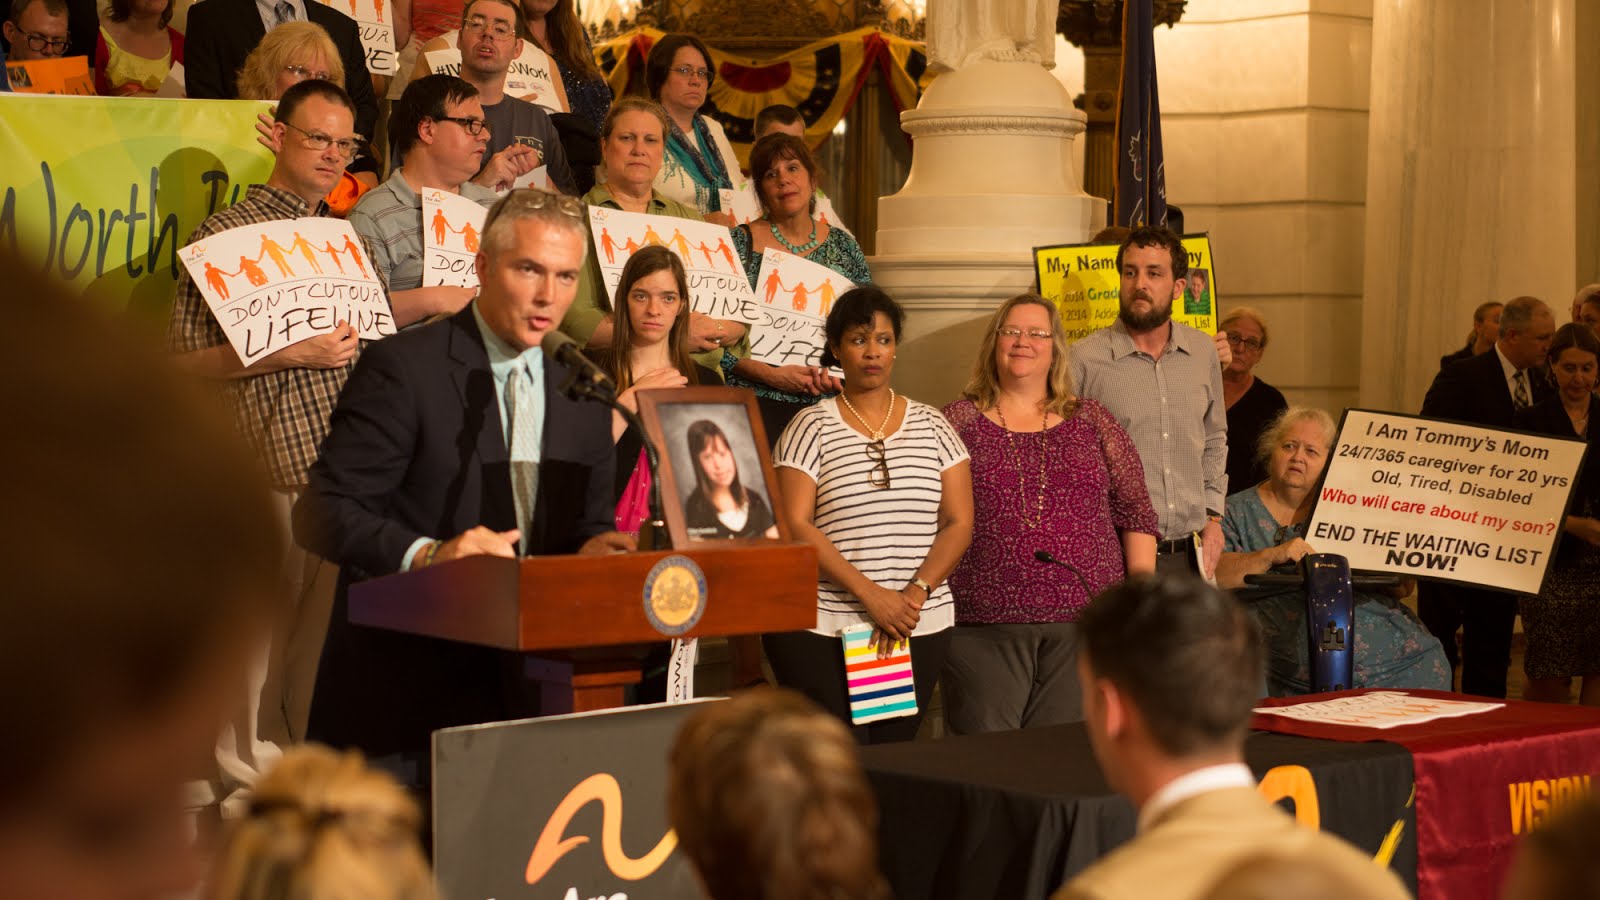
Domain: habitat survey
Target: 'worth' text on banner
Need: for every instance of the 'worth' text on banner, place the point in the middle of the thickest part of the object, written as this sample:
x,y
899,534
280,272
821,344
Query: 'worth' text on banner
x,y
1444,500
1083,282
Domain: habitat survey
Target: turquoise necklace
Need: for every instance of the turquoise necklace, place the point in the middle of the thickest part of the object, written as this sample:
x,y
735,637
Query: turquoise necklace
x,y
810,244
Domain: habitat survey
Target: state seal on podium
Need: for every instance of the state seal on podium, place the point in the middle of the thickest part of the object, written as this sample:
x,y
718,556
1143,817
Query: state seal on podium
x,y
674,595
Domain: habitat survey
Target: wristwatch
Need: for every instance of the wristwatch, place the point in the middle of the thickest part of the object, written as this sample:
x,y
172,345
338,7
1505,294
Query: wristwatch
x,y
927,589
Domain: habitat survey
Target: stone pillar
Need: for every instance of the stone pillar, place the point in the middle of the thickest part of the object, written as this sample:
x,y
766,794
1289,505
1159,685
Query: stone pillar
x,y
1482,175
991,178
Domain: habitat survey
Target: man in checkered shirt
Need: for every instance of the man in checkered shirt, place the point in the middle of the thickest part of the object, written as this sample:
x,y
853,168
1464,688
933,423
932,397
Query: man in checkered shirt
x,y
281,404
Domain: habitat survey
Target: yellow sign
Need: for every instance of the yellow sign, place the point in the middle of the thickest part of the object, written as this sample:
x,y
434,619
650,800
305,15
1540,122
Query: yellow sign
x,y
1083,282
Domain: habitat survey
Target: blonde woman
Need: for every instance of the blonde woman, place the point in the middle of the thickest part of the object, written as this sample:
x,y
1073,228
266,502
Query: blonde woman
x,y
322,825
1051,472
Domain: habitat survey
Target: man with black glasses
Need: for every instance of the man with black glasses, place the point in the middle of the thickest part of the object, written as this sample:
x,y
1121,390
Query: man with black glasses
x,y
283,401
36,29
521,136
439,139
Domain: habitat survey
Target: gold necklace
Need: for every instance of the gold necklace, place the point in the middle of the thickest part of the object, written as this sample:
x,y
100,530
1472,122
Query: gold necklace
x,y
883,426
1015,461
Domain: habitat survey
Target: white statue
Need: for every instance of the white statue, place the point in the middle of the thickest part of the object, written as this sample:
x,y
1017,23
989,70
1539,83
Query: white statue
x,y
962,32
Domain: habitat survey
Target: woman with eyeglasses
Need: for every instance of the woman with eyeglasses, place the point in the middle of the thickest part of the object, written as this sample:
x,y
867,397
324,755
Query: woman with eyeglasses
x,y
632,142
786,179
1263,530
136,48
1252,403
881,486
649,349
291,53
1051,472
700,162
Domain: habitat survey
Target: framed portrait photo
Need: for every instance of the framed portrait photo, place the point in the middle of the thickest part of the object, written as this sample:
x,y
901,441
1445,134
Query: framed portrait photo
x,y
717,482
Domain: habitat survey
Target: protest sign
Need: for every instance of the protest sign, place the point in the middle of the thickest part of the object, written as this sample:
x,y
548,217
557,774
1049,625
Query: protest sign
x,y
528,78
65,75
741,203
450,238
1444,500
796,295
375,18
718,286
1083,282
278,283
99,193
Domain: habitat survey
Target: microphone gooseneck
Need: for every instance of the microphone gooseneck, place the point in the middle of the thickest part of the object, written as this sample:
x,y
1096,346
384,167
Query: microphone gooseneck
x,y
1044,556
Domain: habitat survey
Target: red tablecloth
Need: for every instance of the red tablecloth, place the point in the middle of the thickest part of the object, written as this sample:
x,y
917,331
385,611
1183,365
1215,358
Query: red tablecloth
x,y
1482,780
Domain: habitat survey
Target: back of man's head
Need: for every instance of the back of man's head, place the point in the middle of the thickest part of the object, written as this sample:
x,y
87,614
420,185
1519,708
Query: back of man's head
x,y
1519,314
297,95
425,98
1184,655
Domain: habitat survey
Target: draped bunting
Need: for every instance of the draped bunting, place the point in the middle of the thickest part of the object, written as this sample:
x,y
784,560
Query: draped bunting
x,y
821,79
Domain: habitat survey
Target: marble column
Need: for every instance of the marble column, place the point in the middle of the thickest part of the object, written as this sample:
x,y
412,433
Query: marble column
x,y
992,176
1482,179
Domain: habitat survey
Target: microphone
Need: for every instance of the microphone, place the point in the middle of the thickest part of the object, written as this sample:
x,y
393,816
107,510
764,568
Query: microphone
x,y
586,377
1045,557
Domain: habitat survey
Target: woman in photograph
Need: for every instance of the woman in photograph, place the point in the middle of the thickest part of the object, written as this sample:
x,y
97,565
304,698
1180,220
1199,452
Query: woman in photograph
x,y
1264,530
786,179
720,506
880,485
649,350
1562,628
1053,472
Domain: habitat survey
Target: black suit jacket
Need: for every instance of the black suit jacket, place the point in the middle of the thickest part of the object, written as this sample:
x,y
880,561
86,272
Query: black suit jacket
x,y
1475,390
223,32
414,449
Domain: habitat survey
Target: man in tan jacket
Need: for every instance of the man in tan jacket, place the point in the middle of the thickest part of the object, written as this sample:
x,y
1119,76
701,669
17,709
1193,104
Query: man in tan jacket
x,y
1169,668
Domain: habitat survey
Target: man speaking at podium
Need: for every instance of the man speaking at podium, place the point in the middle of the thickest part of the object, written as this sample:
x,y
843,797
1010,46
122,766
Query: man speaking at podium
x,y
452,440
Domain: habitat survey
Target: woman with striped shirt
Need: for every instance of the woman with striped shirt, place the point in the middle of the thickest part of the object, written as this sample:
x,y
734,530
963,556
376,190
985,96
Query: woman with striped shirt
x,y
880,485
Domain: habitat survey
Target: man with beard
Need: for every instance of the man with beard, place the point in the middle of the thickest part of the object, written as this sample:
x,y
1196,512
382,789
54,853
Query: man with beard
x,y
1161,380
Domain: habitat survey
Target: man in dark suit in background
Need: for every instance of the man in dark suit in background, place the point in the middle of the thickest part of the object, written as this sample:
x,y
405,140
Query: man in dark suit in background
x,y
1487,390
223,32
453,440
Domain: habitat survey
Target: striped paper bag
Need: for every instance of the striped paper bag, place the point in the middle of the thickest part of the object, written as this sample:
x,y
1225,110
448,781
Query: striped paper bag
x,y
879,688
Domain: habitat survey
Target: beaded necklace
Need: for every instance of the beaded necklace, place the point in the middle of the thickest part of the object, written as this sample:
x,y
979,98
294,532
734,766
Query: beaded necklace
x,y
1013,459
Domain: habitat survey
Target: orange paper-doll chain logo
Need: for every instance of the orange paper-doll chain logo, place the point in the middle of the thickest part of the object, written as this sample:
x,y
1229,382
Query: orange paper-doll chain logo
x,y
551,845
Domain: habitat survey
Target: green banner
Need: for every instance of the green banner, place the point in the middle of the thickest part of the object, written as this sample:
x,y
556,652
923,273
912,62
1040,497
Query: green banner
x,y
101,192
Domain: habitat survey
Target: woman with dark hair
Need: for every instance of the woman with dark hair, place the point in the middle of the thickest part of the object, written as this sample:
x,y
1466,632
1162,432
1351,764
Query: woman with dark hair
x,y
700,162
136,49
649,349
881,486
632,141
769,802
1050,471
721,507
1561,623
786,178
554,26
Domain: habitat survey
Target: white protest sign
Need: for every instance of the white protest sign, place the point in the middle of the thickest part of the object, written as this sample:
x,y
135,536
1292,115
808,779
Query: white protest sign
x,y
1443,500
173,86
1378,709
795,295
538,179
453,226
827,215
278,283
528,78
741,203
375,18
717,283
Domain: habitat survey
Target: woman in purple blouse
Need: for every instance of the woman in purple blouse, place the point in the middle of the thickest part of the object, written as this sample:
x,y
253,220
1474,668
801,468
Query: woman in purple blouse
x,y
1050,472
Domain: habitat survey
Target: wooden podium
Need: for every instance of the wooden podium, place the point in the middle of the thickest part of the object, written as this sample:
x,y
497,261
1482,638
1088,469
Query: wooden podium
x,y
580,620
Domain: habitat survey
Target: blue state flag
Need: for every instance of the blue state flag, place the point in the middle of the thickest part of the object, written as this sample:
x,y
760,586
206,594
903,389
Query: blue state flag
x,y
1141,179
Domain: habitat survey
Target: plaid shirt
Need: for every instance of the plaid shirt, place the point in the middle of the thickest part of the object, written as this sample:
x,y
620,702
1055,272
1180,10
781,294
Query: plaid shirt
x,y
283,415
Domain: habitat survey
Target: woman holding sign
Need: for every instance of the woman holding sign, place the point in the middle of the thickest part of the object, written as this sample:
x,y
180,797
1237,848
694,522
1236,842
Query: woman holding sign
x,y
632,142
1263,529
649,349
880,485
1562,623
1051,472
786,183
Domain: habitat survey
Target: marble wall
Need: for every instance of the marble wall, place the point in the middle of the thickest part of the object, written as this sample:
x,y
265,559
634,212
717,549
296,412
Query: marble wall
x,y
1483,179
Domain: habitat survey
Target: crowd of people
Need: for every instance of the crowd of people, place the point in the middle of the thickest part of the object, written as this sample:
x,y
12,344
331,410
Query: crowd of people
x,y
1038,545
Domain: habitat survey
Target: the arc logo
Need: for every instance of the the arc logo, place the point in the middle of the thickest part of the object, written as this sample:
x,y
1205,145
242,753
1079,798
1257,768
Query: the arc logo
x,y
554,843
